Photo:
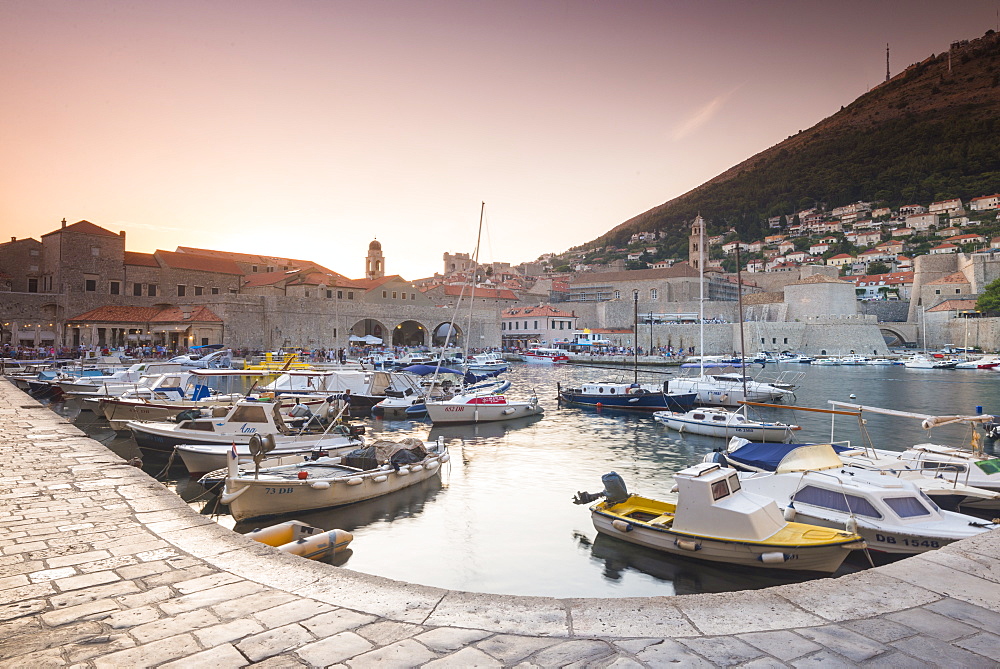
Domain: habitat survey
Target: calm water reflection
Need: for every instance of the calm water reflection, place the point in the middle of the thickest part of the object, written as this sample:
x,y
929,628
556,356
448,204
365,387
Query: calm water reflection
x,y
500,519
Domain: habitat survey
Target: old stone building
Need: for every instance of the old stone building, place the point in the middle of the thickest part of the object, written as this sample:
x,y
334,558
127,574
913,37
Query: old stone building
x,y
89,289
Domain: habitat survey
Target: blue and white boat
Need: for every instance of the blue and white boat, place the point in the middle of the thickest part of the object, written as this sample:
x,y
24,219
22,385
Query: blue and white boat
x,y
629,396
726,424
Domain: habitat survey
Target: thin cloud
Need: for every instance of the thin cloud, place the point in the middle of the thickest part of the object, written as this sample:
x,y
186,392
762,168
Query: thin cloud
x,y
701,116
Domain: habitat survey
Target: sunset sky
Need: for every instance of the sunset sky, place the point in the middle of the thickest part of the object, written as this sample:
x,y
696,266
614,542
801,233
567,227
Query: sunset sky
x,y
304,128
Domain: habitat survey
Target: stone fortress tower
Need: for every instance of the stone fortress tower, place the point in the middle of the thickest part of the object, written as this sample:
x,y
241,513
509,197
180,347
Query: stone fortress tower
x,y
375,264
697,255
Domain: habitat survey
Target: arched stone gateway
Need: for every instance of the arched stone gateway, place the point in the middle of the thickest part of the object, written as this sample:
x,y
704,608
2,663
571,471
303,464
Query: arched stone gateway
x,y
409,333
369,326
892,336
441,333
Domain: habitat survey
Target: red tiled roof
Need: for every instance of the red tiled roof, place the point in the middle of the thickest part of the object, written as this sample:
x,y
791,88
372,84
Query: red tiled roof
x,y
119,314
84,227
954,305
197,262
483,293
957,277
537,311
252,258
140,259
368,284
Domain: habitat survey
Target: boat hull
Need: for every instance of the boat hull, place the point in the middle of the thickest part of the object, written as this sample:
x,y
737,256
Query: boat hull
x,y
764,433
444,412
250,498
824,559
647,402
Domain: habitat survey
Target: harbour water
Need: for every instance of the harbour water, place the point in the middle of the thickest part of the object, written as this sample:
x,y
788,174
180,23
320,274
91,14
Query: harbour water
x,y
500,519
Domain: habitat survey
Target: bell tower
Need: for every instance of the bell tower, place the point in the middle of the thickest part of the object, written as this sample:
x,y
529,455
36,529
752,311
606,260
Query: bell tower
x,y
375,264
697,254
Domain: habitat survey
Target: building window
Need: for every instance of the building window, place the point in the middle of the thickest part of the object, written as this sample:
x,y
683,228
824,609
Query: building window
x,y
33,252
517,326
90,285
329,294
198,290
270,268
181,290
307,293
786,340
253,268
215,291
151,290
394,295
116,287
958,291
618,294
385,293
402,295
137,289
652,293
95,251
233,291
937,291
350,294
33,286
413,296
340,294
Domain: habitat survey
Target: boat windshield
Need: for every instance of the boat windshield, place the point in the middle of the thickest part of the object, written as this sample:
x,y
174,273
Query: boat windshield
x,y
836,500
907,507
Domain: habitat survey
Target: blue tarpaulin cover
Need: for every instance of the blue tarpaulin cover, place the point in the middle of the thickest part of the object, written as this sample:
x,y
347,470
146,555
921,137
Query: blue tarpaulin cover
x,y
768,456
424,370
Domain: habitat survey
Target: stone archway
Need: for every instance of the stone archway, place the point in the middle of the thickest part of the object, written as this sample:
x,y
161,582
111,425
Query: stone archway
x,y
409,333
369,326
440,333
892,336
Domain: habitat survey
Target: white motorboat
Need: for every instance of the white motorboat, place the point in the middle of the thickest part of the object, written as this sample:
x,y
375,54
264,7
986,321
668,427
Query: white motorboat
x,y
880,362
925,362
489,363
480,407
202,458
727,389
721,423
986,362
379,469
947,492
236,425
716,519
892,514
545,356
825,362
853,360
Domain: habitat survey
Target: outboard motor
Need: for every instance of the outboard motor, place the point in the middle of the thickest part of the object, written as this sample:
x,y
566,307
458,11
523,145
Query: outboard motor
x,y
614,491
614,488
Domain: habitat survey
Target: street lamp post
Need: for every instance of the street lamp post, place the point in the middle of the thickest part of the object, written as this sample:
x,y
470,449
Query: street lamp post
x,y
635,339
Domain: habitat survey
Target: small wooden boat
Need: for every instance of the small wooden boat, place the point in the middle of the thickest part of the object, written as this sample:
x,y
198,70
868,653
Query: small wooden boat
x,y
714,519
379,469
726,424
296,538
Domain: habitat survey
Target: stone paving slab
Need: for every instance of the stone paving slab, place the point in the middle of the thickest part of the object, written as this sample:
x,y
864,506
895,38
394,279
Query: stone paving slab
x,y
101,566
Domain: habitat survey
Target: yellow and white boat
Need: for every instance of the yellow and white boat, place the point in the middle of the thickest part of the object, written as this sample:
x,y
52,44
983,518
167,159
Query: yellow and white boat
x,y
714,519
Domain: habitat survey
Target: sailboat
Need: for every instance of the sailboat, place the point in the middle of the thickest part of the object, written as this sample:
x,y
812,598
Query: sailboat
x,y
722,389
479,404
720,422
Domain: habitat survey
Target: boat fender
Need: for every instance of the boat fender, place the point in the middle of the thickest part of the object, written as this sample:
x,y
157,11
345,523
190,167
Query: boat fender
x,y
687,545
445,458
357,480
416,468
431,466
228,497
852,525
320,485
403,471
675,488
303,475
789,513
507,412
380,479
773,558
621,525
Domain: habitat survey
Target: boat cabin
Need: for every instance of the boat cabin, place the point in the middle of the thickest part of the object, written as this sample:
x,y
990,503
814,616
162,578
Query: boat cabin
x,y
619,389
710,497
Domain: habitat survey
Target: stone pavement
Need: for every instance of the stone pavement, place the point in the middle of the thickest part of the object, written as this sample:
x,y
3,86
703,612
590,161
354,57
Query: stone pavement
x,y
101,566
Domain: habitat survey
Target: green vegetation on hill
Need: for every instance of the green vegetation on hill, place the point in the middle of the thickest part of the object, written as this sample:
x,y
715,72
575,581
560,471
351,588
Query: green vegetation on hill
x,y
927,135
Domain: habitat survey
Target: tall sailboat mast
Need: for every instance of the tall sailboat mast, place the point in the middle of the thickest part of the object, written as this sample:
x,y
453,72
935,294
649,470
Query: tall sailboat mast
x,y
701,292
475,270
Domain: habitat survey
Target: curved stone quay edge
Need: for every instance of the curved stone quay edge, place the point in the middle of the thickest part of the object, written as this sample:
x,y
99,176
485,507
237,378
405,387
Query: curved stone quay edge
x,y
101,566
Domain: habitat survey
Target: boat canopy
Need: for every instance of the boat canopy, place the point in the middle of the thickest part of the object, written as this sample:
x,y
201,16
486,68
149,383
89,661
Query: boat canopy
x,y
789,457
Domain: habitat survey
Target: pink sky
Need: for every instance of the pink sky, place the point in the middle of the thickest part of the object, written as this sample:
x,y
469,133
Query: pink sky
x,y
306,128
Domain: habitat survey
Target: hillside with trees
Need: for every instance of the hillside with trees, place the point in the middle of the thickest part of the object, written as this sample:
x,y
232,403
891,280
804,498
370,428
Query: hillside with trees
x,y
930,133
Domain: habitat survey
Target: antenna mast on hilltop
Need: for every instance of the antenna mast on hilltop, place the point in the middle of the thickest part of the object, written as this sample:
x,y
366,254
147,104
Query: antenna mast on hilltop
x,y
887,61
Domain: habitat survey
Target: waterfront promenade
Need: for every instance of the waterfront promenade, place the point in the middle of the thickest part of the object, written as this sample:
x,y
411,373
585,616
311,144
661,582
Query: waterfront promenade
x,y
101,566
